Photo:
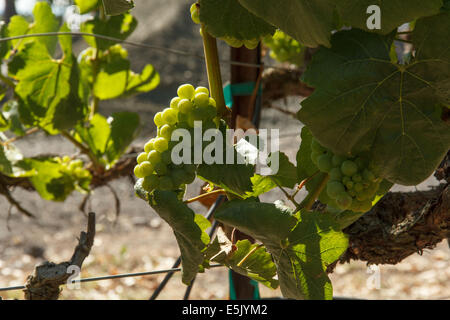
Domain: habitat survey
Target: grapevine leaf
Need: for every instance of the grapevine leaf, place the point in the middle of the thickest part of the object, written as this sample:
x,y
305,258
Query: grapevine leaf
x,y
230,19
116,7
309,22
124,129
11,114
95,134
120,27
302,245
260,184
393,12
48,88
365,103
287,172
9,156
86,6
146,81
191,237
250,260
44,21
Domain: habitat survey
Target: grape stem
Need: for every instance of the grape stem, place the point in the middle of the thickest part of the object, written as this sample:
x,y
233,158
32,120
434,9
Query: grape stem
x,y
83,149
308,202
204,195
288,196
303,183
214,74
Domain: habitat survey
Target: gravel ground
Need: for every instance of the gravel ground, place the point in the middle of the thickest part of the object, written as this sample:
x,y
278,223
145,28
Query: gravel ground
x,y
138,240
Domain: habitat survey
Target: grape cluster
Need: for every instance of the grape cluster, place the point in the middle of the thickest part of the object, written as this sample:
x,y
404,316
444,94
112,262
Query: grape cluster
x,y
73,168
352,185
284,48
231,41
155,163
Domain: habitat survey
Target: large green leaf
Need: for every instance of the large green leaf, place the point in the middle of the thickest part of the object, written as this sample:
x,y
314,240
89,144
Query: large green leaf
x,y
365,103
287,172
393,12
48,88
309,22
230,19
260,184
189,230
44,21
301,253
116,7
250,260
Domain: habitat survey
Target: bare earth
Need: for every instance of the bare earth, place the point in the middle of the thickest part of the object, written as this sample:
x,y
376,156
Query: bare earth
x,y
138,240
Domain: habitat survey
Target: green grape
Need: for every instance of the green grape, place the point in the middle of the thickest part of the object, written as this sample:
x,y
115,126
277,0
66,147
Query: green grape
x,y
344,201
190,168
160,168
335,174
166,132
146,168
334,188
149,146
349,168
142,157
66,159
166,157
138,172
154,157
361,206
233,42
178,176
358,187
158,119
170,116
150,183
195,15
185,106
201,100
166,183
324,163
212,102
337,160
315,156
356,177
346,179
161,144
285,48
368,175
251,44
202,90
174,103
349,184
189,177
186,91
351,192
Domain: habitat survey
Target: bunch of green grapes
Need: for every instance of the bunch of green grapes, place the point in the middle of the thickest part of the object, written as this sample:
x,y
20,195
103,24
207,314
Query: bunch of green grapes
x,y
155,163
232,42
352,185
74,168
284,48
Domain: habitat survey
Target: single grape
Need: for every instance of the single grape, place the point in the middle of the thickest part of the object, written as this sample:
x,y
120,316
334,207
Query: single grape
x,y
166,183
357,177
189,177
349,168
170,116
346,179
201,100
335,174
178,176
149,146
316,146
146,168
138,172
368,175
150,183
251,44
324,163
186,91
166,132
142,157
185,106
161,168
349,184
158,119
195,15
337,160
161,144
174,103
334,188
351,192
212,102
358,187
190,168
154,157
202,90
344,201
66,159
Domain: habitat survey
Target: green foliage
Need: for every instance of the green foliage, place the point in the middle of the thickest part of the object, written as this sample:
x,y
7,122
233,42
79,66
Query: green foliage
x,y
302,245
86,6
189,230
116,7
365,103
228,19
